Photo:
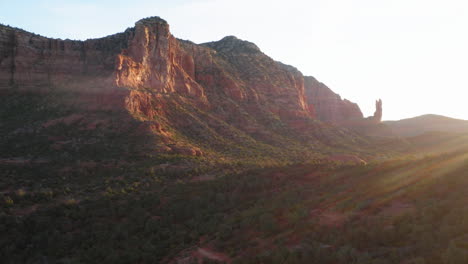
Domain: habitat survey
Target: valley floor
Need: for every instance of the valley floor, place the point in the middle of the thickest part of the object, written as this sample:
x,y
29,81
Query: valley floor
x,y
399,211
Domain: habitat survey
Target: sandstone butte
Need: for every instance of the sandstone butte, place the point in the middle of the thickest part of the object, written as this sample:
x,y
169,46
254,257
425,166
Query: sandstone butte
x,y
148,73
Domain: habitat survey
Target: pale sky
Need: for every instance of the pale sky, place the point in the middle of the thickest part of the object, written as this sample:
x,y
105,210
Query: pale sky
x,y
411,53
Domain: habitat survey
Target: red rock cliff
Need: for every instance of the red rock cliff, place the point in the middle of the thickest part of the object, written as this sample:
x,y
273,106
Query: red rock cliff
x,y
154,61
329,106
148,58
256,78
29,61
378,111
175,85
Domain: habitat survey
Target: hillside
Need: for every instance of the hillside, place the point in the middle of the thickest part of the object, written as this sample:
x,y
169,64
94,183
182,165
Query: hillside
x,y
427,123
143,148
224,100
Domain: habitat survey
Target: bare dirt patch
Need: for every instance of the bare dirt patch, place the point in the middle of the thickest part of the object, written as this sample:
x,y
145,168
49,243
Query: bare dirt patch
x,y
200,255
212,255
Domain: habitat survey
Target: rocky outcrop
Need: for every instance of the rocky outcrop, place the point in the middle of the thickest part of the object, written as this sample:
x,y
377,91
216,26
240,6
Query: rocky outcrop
x,y
32,62
227,89
258,79
378,111
147,57
154,61
329,107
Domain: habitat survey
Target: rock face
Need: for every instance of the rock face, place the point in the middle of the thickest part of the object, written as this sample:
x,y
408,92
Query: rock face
x,y
378,111
329,107
154,60
251,76
224,90
29,61
147,57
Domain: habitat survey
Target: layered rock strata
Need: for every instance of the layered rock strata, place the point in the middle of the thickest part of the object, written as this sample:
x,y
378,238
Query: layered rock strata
x,y
154,76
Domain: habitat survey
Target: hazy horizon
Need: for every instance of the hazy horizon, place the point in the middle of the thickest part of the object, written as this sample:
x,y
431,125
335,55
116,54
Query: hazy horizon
x,y
409,53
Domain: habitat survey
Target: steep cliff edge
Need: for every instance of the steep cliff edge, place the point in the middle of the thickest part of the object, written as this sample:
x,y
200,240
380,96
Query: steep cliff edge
x,y
329,106
155,61
32,62
219,97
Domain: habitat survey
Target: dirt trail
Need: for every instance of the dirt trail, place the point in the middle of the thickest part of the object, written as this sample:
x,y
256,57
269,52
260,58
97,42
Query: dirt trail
x,y
213,255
